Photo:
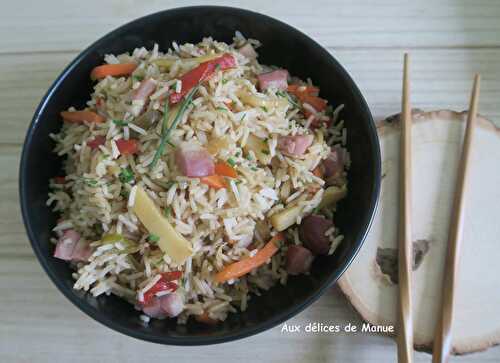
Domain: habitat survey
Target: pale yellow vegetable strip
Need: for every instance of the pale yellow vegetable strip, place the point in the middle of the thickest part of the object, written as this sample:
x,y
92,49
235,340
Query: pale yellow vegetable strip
x,y
285,217
259,147
332,195
170,242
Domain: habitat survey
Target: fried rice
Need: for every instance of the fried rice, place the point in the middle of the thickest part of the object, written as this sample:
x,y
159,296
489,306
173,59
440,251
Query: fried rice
x,y
229,110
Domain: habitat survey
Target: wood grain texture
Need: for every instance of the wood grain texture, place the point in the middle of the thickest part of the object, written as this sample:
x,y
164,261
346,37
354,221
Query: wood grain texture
x,y
443,337
405,318
449,41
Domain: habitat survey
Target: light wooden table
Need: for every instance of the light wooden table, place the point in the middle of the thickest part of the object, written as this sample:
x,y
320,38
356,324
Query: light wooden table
x,y
449,41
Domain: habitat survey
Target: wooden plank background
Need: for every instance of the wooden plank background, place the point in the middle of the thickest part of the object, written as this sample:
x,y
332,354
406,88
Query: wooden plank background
x,y
448,40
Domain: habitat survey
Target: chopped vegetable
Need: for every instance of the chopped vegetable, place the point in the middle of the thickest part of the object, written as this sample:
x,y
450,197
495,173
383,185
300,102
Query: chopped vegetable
x,y
167,211
214,181
153,238
259,147
224,169
82,116
256,101
96,142
244,266
295,89
127,147
332,195
309,95
201,73
123,69
120,123
171,125
285,217
161,285
205,319
218,143
126,175
231,162
171,242
59,180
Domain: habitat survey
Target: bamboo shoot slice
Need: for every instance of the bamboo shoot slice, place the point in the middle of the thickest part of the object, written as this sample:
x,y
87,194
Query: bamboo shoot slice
x,y
170,242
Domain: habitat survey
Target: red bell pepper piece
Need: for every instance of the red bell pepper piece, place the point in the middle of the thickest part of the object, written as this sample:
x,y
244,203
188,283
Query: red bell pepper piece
x,y
126,147
60,179
163,284
201,73
96,142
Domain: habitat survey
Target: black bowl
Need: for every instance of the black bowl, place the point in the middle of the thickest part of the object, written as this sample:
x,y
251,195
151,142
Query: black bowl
x,y
283,46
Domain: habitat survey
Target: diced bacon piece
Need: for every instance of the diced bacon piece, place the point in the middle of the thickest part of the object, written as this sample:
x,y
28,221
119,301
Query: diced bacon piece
x,y
66,244
82,251
295,145
276,79
172,304
298,260
153,309
248,51
145,90
96,142
312,233
333,165
194,161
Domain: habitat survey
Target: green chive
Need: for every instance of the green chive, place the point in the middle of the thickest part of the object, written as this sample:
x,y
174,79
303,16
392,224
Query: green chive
x,y
221,109
90,182
224,81
231,162
280,93
165,116
153,238
238,153
166,133
265,152
249,157
120,123
137,78
238,182
126,175
264,108
243,117
253,168
167,211
291,100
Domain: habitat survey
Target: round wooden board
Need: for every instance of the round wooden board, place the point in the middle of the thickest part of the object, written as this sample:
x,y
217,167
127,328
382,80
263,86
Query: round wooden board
x,y
437,140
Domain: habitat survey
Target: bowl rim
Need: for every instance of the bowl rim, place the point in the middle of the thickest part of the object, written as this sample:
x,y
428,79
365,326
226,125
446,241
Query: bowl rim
x,y
279,318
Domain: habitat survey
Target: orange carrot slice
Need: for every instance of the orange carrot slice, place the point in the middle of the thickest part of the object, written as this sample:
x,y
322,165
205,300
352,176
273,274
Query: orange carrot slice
x,y
205,319
224,169
81,116
295,88
214,181
240,268
122,69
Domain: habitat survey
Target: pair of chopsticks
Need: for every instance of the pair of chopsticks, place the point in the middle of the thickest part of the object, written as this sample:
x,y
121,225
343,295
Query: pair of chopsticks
x,y
442,338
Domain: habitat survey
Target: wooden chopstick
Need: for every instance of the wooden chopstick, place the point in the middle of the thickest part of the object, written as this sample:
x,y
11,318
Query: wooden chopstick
x,y
443,334
405,321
